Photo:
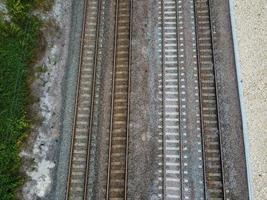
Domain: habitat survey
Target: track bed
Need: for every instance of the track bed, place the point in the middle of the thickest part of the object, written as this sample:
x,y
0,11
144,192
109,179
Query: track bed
x,y
174,121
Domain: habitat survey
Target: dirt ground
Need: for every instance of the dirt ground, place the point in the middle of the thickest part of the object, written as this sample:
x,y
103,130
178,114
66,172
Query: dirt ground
x,y
251,30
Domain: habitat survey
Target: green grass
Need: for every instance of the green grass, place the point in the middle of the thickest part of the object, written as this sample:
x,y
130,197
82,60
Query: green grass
x,y
18,46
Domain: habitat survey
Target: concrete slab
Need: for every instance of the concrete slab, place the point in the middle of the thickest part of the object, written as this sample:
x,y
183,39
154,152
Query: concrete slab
x,y
251,29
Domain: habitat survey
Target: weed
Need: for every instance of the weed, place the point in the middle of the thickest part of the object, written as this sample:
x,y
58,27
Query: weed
x,y
18,44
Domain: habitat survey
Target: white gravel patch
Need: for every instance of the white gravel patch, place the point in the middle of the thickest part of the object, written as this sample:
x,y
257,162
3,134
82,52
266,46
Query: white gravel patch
x,y
3,11
3,7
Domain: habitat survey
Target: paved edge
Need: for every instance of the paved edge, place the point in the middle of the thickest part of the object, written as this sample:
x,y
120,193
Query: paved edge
x,y
230,115
68,101
241,96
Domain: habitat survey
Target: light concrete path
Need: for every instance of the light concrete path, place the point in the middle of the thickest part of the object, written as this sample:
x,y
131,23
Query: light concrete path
x,y
251,22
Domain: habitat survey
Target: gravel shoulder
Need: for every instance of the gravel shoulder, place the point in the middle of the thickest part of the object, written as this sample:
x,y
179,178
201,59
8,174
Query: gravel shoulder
x,y
40,152
68,100
251,30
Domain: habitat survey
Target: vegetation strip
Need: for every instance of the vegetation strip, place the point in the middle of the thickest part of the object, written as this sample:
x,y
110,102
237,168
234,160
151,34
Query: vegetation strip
x,y
19,34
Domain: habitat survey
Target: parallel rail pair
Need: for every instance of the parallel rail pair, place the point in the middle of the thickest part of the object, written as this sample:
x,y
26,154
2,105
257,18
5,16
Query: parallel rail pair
x,y
191,164
77,187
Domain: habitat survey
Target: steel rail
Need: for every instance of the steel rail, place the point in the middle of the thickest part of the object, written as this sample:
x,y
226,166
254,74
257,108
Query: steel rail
x,y
163,102
217,97
200,97
128,99
179,101
76,97
200,106
87,170
112,97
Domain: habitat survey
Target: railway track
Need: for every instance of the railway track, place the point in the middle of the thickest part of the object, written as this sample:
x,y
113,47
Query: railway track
x,y
119,122
209,109
190,164
79,163
189,160
169,92
77,185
